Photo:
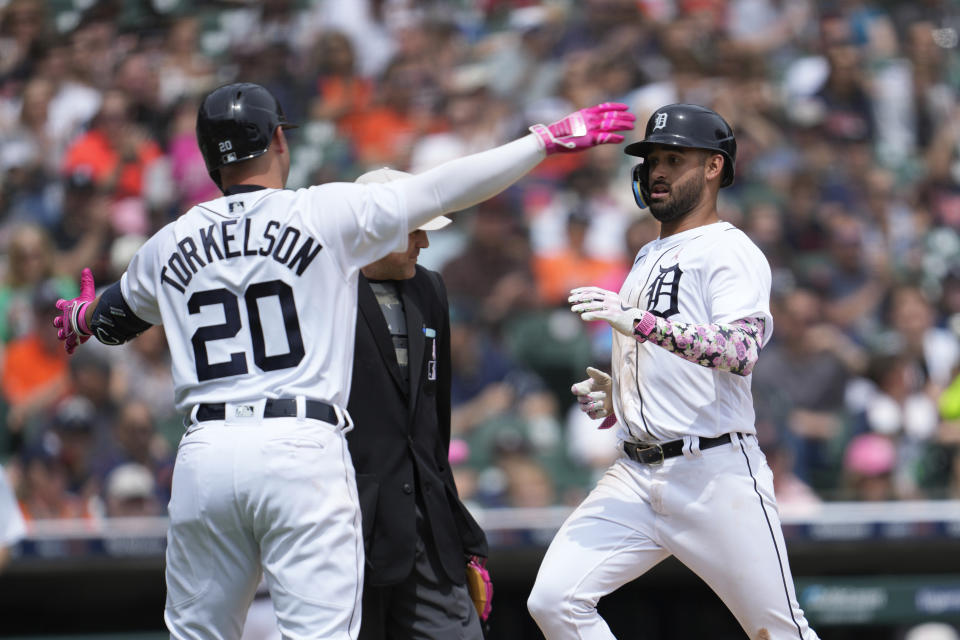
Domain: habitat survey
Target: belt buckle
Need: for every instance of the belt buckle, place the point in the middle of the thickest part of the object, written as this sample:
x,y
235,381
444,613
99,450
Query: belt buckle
x,y
653,445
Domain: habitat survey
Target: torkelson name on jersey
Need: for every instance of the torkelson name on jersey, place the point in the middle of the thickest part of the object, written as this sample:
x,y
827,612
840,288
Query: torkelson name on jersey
x,y
285,244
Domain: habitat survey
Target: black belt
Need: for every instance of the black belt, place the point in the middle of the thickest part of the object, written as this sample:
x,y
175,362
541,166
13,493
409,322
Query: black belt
x,y
656,452
279,408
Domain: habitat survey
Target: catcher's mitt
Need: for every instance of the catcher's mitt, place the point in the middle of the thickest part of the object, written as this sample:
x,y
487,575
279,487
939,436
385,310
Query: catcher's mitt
x,y
480,586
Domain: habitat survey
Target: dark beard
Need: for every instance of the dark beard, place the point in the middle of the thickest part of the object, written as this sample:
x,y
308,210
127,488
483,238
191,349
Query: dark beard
x,y
682,200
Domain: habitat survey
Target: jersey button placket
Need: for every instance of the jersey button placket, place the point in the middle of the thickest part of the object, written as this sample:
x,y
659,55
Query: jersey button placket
x,y
407,488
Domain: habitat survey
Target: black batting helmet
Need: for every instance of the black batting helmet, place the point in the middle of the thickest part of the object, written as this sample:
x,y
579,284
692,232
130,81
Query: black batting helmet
x,y
683,125
235,123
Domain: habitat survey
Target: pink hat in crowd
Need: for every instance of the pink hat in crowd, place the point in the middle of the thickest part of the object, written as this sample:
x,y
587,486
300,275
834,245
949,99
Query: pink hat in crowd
x,y
870,454
459,451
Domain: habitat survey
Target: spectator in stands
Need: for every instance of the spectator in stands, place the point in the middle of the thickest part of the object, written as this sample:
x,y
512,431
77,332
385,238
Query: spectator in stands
x,y
130,491
493,270
801,366
528,483
190,182
93,52
71,436
184,70
384,134
83,231
116,150
34,373
89,379
899,408
140,373
45,493
30,261
792,493
340,89
23,26
934,351
72,104
559,272
868,468
134,439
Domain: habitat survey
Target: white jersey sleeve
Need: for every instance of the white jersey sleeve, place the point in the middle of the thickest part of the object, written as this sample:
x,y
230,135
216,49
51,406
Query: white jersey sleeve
x,y
738,283
360,223
139,282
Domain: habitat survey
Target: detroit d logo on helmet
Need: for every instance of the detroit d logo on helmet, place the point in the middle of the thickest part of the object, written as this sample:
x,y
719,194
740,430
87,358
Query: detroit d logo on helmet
x,y
661,121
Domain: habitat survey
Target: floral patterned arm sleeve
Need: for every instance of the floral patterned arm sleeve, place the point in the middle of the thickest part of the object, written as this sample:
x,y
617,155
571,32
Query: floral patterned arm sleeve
x,y
730,347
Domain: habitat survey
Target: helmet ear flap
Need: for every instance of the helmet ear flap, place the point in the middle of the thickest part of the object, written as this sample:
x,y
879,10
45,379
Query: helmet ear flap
x,y
641,190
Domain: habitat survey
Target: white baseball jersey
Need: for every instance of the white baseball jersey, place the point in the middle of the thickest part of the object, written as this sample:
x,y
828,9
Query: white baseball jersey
x,y
710,274
257,291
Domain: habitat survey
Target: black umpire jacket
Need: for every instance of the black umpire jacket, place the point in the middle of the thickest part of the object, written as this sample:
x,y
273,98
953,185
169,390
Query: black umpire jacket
x,y
401,437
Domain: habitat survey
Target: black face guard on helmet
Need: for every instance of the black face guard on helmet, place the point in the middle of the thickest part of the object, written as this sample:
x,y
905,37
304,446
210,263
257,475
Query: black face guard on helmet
x,y
682,125
235,123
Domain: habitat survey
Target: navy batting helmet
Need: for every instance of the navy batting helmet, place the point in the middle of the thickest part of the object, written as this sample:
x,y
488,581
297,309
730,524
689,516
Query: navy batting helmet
x,y
683,125
235,123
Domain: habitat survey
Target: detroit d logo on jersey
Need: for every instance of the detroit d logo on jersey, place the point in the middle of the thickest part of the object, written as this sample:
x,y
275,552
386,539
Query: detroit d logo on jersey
x,y
664,291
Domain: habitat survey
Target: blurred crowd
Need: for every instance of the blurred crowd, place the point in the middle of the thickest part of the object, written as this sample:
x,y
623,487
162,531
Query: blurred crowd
x,y
848,177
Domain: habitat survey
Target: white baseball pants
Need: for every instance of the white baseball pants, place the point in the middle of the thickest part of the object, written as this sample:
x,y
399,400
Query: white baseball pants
x,y
714,510
276,496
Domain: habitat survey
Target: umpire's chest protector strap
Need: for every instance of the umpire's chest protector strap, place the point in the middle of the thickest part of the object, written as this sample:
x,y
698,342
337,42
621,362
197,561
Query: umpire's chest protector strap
x,y
113,322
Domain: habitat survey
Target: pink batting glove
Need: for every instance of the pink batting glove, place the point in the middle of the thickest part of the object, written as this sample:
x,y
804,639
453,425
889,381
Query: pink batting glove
x,y
585,128
72,324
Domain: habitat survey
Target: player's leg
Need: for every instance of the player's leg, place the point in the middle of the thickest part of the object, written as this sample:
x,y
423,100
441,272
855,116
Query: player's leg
x,y
212,560
307,520
605,543
723,525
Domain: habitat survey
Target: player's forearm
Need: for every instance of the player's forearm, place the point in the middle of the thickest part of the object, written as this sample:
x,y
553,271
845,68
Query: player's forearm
x,y
732,347
464,182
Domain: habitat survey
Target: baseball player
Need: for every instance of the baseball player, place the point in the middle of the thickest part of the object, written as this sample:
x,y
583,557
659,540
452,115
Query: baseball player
x,y
688,325
257,291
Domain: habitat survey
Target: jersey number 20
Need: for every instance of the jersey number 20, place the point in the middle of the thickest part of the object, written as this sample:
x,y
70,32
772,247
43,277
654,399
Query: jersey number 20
x,y
231,326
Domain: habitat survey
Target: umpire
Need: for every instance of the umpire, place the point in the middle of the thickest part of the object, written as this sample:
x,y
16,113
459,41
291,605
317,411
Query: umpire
x,y
417,534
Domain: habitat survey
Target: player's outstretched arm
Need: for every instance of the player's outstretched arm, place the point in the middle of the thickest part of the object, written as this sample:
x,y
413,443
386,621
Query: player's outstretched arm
x,y
108,317
732,347
464,182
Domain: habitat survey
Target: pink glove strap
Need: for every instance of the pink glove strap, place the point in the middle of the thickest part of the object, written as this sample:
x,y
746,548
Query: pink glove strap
x,y
79,320
645,326
544,136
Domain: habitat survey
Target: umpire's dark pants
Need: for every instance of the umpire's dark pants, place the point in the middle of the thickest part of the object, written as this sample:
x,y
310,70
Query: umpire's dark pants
x,y
425,606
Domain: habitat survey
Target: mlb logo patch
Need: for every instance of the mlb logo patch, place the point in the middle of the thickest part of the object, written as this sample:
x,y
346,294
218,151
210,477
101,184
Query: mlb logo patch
x,y
243,411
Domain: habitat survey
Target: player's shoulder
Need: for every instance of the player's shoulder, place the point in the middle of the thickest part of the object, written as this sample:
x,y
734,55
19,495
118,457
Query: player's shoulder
x,y
724,238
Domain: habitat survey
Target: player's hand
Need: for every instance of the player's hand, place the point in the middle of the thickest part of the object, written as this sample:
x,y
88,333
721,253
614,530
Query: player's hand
x,y
594,303
71,325
586,128
595,394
